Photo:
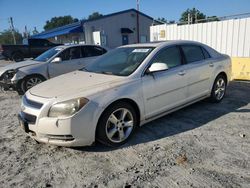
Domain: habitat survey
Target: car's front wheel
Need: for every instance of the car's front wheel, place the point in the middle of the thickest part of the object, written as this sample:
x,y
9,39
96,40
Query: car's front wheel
x,y
29,82
219,89
116,124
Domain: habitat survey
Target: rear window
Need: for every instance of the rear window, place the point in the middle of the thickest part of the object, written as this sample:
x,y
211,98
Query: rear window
x,y
192,53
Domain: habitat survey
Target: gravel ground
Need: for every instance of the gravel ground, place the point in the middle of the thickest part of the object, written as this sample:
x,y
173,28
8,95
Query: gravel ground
x,y
203,145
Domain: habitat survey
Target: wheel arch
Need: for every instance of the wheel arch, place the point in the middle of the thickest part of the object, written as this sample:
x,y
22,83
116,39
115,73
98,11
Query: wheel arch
x,y
222,73
35,74
127,100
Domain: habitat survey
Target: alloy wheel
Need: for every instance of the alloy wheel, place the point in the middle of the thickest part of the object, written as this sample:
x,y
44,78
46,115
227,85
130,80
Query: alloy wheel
x,y
32,82
119,125
220,88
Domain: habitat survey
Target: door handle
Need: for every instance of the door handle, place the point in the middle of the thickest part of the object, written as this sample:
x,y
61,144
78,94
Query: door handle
x,y
211,65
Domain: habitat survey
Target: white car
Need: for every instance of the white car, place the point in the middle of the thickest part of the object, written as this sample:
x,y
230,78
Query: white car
x,y
54,62
127,87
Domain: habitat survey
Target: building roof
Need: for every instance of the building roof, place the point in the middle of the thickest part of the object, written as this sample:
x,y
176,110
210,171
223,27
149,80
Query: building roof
x,y
78,28
70,28
120,12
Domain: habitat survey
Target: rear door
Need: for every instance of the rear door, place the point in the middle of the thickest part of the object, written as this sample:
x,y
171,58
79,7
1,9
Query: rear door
x,y
199,68
165,90
71,61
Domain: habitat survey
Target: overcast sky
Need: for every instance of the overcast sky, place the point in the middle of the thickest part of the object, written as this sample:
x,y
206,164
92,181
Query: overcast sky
x,y
34,13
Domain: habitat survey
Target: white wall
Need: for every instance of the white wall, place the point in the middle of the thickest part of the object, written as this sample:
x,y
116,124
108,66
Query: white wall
x,y
231,37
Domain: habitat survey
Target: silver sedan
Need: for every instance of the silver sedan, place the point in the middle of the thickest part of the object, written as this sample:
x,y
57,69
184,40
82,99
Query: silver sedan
x,y
125,88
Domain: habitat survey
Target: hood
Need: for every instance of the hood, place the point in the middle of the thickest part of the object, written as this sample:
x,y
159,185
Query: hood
x,y
74,83
18,65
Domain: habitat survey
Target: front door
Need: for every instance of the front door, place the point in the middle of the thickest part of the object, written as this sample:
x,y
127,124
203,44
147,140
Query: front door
x,y
70,61
124,39
165,90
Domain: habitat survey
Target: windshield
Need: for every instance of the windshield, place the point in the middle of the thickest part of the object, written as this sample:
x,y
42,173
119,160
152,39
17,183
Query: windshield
x,y
48,54
120,61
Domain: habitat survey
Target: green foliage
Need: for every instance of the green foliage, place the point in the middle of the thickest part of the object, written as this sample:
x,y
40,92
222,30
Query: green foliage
x,y
59,21
94,16
194,14
213,18
7,38
164,20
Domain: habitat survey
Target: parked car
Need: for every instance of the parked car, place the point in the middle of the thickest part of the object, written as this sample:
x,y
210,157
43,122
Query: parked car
x,y
125,88
54,62
32,49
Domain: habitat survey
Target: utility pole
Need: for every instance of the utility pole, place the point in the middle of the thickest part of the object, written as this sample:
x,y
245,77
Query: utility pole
x,y
196,17
12,30
137,21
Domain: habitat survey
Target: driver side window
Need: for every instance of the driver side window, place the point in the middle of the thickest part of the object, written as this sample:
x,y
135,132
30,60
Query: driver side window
x,y
170,56
70,53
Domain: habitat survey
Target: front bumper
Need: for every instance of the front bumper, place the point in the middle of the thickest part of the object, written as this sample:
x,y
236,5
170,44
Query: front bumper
x,y
78,130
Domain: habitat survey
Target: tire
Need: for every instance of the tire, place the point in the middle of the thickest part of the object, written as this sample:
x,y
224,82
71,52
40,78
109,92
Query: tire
x,y
30,81
17,56
112,129
219,89
19,87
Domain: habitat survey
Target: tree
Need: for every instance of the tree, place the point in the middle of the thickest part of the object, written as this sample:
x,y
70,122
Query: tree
x,y
94,16
35,31
212,18
171,22
164,20
59,21
195,15
7,38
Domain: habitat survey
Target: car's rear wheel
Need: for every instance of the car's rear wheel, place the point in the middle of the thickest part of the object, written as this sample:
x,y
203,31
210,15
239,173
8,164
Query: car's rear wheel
x,y
219,89
116,124
30,82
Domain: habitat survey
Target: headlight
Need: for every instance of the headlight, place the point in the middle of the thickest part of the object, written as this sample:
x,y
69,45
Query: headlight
x,y
67,108
9,74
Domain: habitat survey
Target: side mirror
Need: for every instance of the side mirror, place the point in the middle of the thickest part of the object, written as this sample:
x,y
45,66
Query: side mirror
x,y
156,67
56,60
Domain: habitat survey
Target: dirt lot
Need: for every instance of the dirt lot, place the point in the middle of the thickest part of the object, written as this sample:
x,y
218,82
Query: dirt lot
x,y
203,145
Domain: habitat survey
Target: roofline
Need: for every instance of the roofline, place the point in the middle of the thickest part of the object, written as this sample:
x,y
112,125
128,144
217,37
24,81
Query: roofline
x,y
59,28
120,12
